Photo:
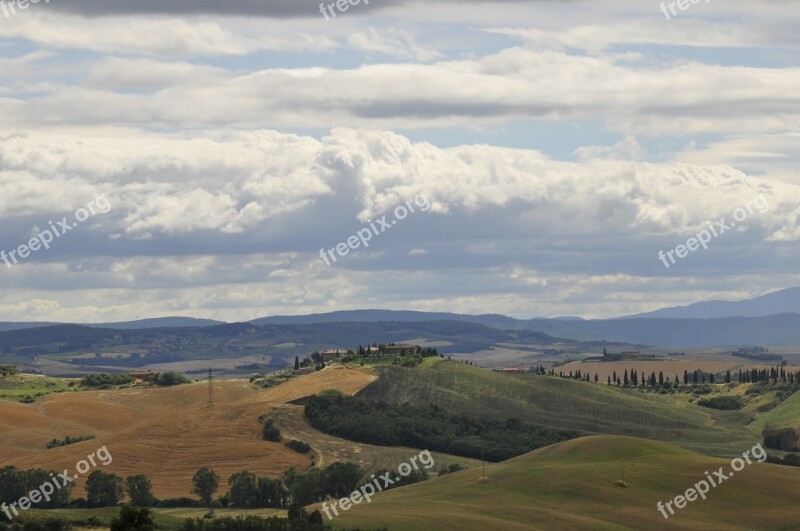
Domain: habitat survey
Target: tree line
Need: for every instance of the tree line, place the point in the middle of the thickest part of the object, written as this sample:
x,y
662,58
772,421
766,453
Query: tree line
x,y
697,377
384,424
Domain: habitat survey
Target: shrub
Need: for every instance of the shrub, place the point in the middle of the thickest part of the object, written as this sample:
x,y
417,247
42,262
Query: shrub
x,y
299,446
780,438
171,378
55,443
270,432
170,503
722,402
99,380
8,371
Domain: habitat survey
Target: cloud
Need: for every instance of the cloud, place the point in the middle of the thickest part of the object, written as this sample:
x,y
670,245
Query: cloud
x,y
392,42
514,84
166,37
265,181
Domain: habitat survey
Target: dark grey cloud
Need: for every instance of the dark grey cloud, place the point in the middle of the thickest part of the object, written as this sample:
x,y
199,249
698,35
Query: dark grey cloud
x,y
255,8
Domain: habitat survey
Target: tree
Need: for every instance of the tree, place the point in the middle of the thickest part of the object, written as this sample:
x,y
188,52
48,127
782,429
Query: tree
x,y
595,378
133,519
711,378
625,378
271,492
315,518
296,363
685,377
660,378
243,489
139,490
695,378
206,483
104,490
342,478
270,432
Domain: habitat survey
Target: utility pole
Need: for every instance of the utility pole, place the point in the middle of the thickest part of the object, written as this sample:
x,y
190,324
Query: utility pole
x,y
210,387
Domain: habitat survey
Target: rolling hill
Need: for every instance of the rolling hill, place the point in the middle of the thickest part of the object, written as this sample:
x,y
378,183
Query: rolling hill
x,y
570,485
557,403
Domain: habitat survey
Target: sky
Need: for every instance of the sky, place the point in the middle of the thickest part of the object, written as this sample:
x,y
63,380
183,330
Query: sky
x,y
531,158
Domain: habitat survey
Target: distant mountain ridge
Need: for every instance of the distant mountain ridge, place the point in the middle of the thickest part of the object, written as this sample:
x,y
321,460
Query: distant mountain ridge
x,y
771,319
775,303
155,322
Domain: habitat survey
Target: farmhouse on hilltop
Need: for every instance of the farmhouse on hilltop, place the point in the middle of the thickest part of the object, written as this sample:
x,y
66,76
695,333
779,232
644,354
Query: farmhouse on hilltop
x,y
400,350
330,355
142,376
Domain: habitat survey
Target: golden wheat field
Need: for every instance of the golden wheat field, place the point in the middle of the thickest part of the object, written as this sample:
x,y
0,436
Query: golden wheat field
x,y
164,433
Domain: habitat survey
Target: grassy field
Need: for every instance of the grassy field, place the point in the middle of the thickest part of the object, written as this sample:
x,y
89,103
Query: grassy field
x,y
165,518
19,386
571,486
562,403
786,415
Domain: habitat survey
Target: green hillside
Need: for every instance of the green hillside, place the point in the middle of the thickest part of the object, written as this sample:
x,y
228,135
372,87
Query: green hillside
x,y
27,386
571,486
786,415
562,403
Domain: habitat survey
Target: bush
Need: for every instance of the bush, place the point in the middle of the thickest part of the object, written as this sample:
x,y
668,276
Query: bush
x,y
55,443
270,432
171,378
99,380
299,446
728,402
781,438
133,519
170,503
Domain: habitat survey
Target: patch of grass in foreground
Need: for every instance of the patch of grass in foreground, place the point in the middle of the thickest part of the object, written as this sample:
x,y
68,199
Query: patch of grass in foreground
x,y
571,485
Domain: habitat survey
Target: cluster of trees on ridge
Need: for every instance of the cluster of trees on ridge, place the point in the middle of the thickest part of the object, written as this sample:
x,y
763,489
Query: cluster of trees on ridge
x,y
626,379
105,380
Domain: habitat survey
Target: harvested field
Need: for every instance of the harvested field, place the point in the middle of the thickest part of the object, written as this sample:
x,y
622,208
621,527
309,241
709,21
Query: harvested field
x,y
164,433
